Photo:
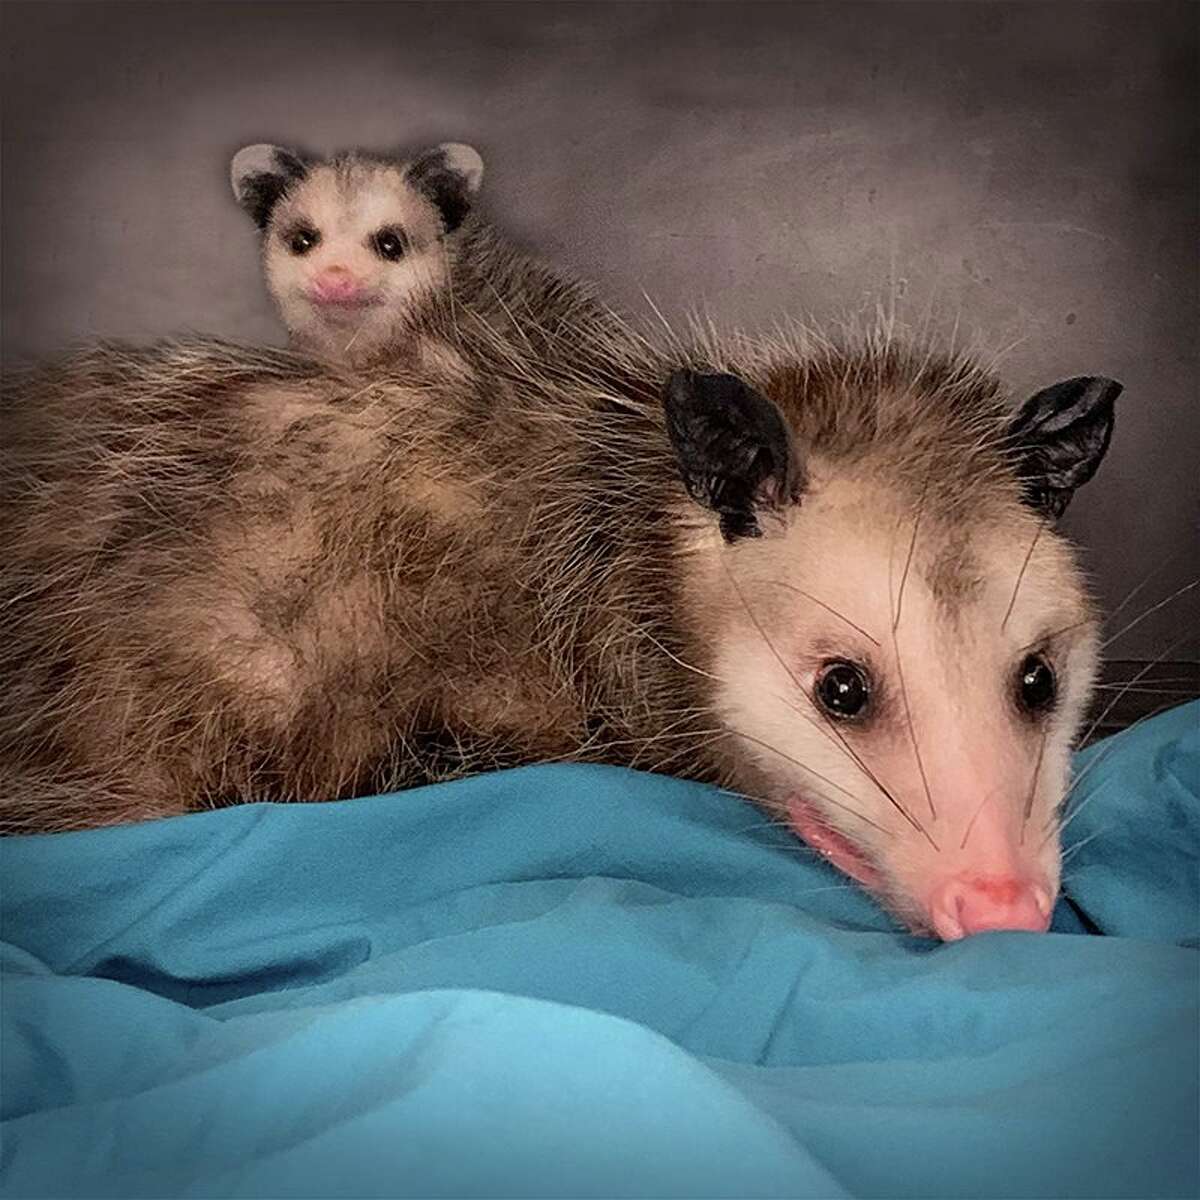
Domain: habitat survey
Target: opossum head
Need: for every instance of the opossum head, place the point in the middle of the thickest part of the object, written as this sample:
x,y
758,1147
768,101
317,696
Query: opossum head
x,y
353,245
902,646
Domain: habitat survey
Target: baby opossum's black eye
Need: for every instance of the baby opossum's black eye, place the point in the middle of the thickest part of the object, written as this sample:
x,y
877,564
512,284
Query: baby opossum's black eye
x,y
389,244
843,690
302,240
1036,685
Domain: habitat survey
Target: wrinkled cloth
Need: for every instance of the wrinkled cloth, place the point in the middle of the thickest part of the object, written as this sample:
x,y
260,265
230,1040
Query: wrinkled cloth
x,y
586,981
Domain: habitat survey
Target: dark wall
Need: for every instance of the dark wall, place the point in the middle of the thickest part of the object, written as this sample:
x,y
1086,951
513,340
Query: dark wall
x,y
1025,171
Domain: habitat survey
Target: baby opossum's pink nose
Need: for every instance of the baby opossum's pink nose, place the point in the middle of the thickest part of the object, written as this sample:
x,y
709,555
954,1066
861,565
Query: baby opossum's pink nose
x,y
336,284
966,905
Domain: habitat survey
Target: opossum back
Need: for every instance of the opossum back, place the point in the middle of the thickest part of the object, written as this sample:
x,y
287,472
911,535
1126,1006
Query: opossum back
x,y
231,574
178,537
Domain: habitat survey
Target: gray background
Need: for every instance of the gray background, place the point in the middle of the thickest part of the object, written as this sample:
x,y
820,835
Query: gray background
x,y
1028,171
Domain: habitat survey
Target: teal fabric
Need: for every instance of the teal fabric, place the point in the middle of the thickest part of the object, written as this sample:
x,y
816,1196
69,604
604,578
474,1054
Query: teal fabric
x,y
581,981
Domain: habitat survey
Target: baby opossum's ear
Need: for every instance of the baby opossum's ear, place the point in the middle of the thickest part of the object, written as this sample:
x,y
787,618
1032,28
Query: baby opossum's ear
x,y
450,175
260,174
1059,437
735,449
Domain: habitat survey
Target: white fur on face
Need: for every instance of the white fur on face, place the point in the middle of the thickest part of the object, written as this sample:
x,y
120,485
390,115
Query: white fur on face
x,y
347,207
983,780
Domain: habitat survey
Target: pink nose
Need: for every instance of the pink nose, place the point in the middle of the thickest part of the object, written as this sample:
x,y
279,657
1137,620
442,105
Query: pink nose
x,y
336,284
962,906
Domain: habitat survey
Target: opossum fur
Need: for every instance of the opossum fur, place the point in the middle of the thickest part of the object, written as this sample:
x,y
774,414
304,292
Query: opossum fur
x,y
407,250
234,574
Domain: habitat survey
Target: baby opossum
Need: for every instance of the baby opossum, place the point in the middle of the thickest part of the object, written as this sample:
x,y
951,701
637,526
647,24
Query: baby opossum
x,y
826,578
371,258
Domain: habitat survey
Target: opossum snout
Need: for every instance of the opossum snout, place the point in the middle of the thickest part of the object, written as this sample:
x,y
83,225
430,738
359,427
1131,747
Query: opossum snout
x,y
966,904
338,285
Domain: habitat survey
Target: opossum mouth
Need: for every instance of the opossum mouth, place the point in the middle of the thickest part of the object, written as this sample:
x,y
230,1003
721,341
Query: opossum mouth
x,y
350,305
835,847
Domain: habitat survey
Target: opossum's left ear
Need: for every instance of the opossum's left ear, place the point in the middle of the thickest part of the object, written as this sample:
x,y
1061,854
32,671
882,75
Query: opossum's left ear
x,y
1059,437
260,174
450,175
735,450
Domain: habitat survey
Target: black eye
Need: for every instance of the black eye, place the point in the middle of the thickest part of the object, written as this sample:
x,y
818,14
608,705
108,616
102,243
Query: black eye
x,y
843,690
302,240
1036,685
389,244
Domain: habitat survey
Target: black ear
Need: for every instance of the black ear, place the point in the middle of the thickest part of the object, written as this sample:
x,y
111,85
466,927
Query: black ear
x,y
450,175
1059,437
260,174
735,450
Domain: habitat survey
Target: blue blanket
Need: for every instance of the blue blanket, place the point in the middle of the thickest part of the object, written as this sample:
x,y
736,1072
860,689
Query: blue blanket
x,y
579,981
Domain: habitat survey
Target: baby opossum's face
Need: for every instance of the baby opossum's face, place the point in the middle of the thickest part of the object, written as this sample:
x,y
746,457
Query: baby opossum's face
x,y
351,247
904,684
348,254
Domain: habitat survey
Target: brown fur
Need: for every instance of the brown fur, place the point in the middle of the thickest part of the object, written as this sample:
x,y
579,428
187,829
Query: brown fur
x,y
232,574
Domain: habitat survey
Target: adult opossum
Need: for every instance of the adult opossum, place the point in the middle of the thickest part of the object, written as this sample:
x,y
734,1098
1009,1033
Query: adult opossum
x,y
370,257
825,577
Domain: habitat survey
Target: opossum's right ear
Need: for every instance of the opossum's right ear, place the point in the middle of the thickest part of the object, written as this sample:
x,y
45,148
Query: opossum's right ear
x,y
735,450
1059,437
450,175
260,174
